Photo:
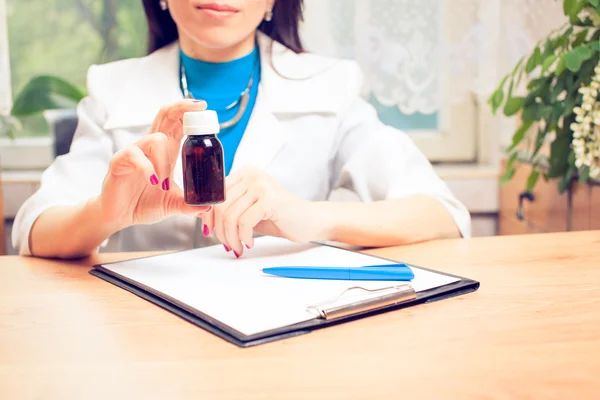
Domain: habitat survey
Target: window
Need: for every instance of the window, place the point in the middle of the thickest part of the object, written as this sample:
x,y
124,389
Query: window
x,y
64,37
402,48
5,92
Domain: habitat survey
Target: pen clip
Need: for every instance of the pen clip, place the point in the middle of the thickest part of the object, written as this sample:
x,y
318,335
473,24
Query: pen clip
x,y
371,300
395,265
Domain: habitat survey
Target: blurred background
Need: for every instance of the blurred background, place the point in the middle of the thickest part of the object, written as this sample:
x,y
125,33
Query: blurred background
x,y
430,67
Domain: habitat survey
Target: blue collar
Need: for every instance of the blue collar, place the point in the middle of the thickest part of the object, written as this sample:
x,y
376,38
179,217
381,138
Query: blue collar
x,y
219,81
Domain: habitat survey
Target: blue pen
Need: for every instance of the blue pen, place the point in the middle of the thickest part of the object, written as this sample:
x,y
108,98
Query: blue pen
x,y
389,272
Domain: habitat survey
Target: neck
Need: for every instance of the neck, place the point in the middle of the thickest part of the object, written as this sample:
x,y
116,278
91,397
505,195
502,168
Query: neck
x,y
196,50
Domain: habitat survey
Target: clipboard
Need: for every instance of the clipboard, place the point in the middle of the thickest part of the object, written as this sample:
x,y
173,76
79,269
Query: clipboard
x,y
352,303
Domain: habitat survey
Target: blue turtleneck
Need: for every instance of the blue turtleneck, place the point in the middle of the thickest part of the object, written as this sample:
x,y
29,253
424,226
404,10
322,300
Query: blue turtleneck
x,y
220,84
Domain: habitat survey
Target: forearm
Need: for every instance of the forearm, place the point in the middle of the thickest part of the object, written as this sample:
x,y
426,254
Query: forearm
x,y
69,232
386,223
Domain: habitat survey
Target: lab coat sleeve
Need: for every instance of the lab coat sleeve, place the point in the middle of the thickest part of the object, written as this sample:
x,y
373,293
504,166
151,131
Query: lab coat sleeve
x,y
74,177
378,162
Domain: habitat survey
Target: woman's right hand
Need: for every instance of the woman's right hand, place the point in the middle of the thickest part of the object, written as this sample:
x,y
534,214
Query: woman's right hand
x,y
139,186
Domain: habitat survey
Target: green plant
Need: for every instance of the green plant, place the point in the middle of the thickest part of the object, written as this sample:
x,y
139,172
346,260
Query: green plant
x,y
555,72
9,125
41,93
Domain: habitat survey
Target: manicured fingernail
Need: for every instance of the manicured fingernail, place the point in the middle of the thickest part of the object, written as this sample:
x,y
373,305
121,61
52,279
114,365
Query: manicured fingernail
x,y
205,230
236,254
198,101
154,179
165,184
226,248
248,247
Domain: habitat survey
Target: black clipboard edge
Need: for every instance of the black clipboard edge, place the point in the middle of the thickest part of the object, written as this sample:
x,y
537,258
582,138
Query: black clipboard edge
x,y
463,286
188,316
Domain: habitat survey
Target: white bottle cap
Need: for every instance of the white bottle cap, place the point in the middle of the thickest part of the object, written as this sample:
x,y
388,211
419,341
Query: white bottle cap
x,y
200,122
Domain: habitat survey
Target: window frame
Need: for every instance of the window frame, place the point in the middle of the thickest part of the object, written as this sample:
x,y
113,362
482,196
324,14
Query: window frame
x,y
5,82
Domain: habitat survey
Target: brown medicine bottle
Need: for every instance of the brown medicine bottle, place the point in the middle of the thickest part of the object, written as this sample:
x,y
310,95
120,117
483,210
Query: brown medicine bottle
x,y
202,159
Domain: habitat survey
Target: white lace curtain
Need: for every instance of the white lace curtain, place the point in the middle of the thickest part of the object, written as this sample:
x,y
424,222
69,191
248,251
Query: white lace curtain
x,y
419,55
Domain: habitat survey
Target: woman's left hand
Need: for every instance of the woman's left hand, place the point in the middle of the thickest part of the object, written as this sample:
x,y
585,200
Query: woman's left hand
x,y
255,202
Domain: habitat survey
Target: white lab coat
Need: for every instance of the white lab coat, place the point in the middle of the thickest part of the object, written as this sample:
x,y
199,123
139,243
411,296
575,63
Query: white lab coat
x,y
314,135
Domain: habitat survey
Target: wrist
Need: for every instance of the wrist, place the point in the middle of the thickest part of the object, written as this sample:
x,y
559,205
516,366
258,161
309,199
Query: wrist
x,y
93,210
327,220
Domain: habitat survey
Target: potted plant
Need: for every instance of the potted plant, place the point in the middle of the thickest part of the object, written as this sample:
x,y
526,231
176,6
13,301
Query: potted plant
x,y
40,94
554,91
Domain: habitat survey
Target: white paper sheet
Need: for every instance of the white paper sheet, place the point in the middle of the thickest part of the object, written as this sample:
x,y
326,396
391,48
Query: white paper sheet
x,y
236,292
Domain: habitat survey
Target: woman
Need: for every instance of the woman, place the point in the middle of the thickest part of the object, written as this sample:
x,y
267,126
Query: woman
x,y
304,135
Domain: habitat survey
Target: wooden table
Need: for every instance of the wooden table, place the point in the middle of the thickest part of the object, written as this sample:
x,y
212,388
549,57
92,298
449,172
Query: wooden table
x,y
532,330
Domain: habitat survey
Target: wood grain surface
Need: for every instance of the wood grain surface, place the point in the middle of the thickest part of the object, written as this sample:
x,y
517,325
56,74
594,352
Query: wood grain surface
x,y
532,331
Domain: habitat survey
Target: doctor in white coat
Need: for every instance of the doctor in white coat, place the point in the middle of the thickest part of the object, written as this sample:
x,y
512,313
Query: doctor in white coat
x,y
309,135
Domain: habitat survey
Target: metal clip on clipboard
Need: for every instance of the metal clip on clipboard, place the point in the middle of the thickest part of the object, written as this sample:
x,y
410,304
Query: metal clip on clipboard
x,y
370,300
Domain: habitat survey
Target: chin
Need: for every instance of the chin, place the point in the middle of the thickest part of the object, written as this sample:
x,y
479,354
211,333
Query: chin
x,y
217,38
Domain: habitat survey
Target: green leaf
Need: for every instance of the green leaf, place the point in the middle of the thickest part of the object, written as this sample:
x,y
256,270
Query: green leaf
x,y
45,93
561,66
570,102
548,62
567,179
548,50
513,105
595,3
586,71
569,81
532,179
508,174
580,38
519,64
584,174
595,45
559,151
519,135
533,60
557,90
585,53
497,99
533,112
571,8
539,142
573,60
512,159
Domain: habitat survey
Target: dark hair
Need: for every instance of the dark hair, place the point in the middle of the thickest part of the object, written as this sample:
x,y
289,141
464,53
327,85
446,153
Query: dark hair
x,y
283,28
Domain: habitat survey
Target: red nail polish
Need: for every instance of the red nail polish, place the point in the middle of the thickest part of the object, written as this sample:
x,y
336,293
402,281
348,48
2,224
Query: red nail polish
x,y
205,230
226,248
154,179
165,184
248,247
236,254
198,101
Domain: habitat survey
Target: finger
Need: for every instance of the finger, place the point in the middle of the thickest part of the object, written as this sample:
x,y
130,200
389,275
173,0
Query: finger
x,y
208,222
218,226
170,118
248,220
175,204
233,179
130,160
231,220
170,121
155,147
